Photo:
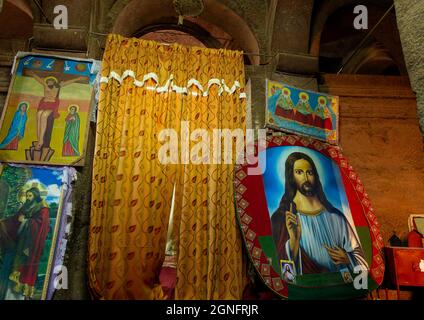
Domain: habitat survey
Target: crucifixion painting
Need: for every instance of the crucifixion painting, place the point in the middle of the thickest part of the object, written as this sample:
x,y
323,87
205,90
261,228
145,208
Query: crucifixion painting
x,y
46,115
49,105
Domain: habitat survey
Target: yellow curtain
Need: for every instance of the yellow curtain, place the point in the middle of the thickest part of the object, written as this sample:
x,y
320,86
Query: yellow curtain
x,y
145,88
209,255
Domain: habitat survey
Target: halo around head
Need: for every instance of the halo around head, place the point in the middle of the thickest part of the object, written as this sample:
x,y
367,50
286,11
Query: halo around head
x,y
304,96
323,100
31,184
50,78
23,103
77,108
286,91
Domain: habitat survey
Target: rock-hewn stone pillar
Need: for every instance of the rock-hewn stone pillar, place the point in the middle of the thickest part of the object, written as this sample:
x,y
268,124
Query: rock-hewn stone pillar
x,y
410,20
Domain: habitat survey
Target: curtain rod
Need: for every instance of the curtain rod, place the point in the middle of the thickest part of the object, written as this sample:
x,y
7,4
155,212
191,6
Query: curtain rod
x,y
244,53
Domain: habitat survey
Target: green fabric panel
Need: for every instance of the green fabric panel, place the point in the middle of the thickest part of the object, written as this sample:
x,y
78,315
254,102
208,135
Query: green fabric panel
x,y
365,239
342,291
320,280
269,249
325,285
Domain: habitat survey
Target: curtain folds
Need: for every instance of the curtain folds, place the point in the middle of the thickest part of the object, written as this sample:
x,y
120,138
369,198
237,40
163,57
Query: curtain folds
x,y
146,88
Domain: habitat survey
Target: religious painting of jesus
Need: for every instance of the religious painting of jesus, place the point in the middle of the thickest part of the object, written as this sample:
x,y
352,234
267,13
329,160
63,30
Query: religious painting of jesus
x,y
32,206
306,220
310,223
49,85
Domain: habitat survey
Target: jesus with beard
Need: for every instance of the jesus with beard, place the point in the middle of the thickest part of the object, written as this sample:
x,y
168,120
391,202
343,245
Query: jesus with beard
x,y
308,229
22,240
49,104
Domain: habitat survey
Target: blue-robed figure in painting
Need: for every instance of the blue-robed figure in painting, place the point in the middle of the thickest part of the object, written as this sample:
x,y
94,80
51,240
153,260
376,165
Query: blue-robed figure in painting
x,y
17,128
308,229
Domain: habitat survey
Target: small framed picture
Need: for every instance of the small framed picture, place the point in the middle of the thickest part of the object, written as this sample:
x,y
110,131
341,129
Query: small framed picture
x,y
347,277
288,273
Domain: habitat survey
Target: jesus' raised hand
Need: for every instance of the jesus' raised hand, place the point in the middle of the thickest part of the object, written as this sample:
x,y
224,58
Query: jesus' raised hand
x,y
294,230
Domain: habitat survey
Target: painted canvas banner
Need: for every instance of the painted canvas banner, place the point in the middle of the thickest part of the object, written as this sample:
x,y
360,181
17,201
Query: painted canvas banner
x,y
307,221
303,112
47,111
58,279
31,211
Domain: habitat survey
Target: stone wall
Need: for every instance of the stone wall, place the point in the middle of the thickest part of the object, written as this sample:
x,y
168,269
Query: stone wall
x,y
380,136
410,19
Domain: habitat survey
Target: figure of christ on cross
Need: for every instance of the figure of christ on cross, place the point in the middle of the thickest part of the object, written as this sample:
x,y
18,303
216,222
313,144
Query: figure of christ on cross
x,y
49,104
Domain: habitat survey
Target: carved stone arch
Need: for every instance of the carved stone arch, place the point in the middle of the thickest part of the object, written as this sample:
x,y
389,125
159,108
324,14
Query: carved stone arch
x,y
334,35
197,32
128,17
372,59
324,9
114,12
322,12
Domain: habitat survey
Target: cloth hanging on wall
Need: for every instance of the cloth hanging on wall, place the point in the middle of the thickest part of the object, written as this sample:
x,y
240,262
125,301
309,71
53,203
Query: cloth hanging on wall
x,y
147,88
303,112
